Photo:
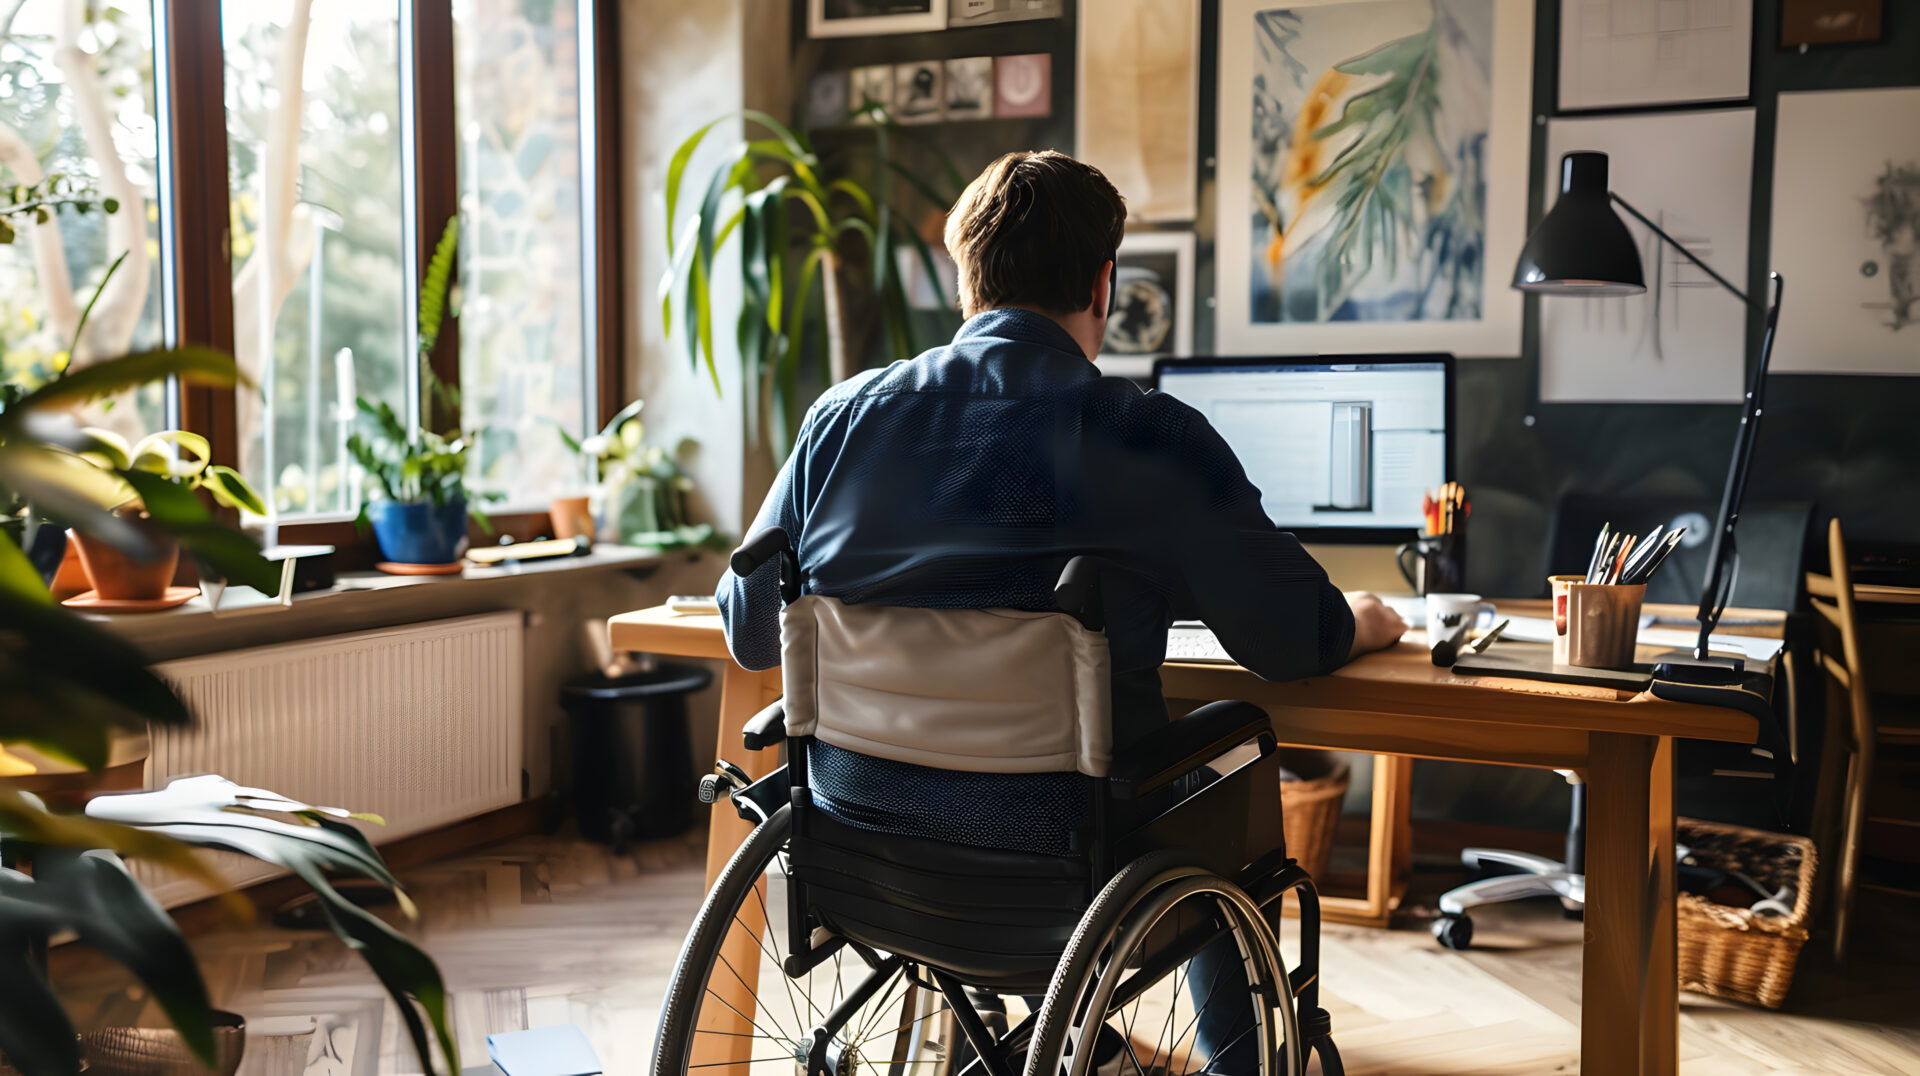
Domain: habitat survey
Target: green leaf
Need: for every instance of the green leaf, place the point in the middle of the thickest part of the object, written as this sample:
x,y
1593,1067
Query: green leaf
x,y
65,682
73,346
925,252
622,417
436,284
230,553
18,577
192,365
230,489
35,1033
676,172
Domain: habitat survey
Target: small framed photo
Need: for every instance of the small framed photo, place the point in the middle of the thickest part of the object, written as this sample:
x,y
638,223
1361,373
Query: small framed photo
x,y
1150,315
827,104
865,18
1023,84
964,13
1828,22
867,87
970,88
919,91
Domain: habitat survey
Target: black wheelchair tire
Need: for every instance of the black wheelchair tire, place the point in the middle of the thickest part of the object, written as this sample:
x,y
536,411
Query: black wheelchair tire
x,y
679,1016
1144,890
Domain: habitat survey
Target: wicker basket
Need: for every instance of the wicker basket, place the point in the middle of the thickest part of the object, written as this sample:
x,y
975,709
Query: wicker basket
x,y
1730,952
1310,805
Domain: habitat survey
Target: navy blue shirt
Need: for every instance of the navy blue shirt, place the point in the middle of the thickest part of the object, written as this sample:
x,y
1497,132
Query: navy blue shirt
x,y
967,477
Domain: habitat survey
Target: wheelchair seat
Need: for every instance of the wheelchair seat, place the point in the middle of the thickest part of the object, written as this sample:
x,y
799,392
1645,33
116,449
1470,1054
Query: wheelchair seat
x,y
1053,851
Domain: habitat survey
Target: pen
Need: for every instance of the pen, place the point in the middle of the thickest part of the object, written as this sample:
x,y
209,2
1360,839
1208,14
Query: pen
x,y
1479,646
1599,546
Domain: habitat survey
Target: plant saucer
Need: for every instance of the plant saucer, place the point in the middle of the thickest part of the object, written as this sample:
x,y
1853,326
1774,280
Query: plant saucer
x,y
91,601
452,567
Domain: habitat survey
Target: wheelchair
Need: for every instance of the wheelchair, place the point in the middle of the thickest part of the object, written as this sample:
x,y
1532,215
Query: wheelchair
x,y
1145,941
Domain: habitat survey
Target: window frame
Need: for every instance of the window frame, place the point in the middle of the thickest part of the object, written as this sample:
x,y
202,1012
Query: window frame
x,y
197,240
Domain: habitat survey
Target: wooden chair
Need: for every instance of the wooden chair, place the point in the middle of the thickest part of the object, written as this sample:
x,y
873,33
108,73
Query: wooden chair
x,y
1857,723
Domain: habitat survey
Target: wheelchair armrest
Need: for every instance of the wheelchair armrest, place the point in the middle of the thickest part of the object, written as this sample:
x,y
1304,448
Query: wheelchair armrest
x,y
1186,745
766,728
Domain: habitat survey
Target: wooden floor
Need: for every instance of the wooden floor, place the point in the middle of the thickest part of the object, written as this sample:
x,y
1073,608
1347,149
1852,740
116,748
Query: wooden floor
x,y
547,930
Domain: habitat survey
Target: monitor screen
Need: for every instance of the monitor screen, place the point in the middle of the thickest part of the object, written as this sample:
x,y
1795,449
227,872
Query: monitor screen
x,y
1338,445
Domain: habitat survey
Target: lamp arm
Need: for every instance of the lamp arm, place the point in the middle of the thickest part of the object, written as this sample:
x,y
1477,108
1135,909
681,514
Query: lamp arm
x,y
1681,247
1711,598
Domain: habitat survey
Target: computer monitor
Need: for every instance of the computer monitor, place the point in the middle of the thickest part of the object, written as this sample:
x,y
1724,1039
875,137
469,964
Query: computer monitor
x,y
1341,446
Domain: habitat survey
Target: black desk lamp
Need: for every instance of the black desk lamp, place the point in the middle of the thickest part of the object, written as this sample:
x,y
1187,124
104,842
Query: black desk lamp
x,y
1583,248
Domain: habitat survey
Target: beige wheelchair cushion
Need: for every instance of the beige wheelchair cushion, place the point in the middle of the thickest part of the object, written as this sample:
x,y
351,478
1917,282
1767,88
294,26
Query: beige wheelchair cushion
x,y
981,690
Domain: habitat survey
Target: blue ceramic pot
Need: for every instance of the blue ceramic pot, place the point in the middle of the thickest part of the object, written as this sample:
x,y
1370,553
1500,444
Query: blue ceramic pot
x,y
420,533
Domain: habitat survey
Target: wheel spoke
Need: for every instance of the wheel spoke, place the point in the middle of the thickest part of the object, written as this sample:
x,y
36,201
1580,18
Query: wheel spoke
x,y
751,993
798,1020
1199,1012
748,1019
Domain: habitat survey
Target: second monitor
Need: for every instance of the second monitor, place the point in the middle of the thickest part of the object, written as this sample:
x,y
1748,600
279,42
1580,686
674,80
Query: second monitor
x,y
1341,447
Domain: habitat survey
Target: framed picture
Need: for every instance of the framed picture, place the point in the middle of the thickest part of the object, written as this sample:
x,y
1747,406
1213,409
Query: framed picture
x,y
863,18
1151,312
1846,211
827,104
1023,85
869,86
919,91
1137,104
1828,22
1372,175
964,13
1624,53
1685,339
970,88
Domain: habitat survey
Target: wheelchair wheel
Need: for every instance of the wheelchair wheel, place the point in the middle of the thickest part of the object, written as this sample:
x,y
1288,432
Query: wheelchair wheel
x,y
730,1004
1155,970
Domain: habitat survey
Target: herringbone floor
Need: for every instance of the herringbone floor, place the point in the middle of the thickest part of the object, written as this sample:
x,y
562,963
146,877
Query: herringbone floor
x,y
553,930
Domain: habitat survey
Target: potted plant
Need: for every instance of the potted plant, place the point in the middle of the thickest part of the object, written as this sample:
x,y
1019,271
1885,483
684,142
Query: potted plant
x,y
163,467
641,489
419,515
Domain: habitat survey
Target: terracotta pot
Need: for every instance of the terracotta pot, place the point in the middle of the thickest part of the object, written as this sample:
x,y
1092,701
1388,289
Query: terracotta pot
x,y
572,516
122,578
71,577
158,1051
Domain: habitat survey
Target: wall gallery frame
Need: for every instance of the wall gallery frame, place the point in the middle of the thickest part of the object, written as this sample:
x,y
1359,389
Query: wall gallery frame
x,y
1372,175
1627,53
1151,311
1137,104
1846,231
1685,339
864,18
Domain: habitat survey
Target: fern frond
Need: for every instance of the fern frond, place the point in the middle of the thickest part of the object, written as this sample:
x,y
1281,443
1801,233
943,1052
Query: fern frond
x,y
434,289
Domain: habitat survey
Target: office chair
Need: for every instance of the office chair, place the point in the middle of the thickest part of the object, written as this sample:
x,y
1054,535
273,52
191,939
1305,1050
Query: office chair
x,y
1773,539
952,825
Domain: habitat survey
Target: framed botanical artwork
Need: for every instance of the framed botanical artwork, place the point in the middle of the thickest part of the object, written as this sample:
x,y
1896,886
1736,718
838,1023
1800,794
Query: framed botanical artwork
x,y
864,18
1372,175
1628,53
1137,104
1150,314
1846,231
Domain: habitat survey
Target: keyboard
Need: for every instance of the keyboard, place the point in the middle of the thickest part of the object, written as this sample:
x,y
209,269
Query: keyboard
x,y
1195,643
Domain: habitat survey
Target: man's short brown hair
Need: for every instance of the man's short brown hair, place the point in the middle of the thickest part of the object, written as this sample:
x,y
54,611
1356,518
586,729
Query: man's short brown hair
x,y
1034,230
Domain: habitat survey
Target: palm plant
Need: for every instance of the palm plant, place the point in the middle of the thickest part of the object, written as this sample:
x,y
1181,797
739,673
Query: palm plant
x,y
67,687
800,217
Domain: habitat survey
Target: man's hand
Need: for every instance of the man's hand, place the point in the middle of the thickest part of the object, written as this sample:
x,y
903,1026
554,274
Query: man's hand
x,y
1375,625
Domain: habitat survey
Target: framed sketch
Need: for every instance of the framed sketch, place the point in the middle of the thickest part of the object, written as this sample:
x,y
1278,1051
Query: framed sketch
x,y
919,91
1372,175
870,86
863,18
1150,314
970,88
1685,339
964,13
1846,217
1623,53
1137,104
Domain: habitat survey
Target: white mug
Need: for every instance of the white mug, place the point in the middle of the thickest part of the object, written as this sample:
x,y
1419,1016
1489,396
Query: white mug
x,y
1448,612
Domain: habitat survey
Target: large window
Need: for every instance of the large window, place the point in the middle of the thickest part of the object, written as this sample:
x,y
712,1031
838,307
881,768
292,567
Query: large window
x,y
525,367
319,278
282,169
77,100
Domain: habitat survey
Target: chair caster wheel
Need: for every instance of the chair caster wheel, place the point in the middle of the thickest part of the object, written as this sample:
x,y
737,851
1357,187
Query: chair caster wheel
x,y
1453,931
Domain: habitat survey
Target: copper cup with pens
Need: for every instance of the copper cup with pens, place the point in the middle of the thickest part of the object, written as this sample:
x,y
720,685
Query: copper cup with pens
x,y
1436,562
1596,617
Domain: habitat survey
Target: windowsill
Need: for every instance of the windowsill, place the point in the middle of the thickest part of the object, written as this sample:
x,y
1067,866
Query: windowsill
x,y
369,591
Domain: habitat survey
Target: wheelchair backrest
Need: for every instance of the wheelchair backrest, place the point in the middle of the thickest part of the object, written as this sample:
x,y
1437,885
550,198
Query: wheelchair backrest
x,y
980,690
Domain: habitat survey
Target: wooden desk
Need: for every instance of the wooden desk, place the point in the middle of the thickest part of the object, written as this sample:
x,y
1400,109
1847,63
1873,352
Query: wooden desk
x,y
1396,704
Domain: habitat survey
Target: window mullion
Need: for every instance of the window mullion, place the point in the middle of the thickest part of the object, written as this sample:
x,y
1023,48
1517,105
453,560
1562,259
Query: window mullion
x,y
431,171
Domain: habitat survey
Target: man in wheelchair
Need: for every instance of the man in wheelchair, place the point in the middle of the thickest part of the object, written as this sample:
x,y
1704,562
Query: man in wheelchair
x,y
967,570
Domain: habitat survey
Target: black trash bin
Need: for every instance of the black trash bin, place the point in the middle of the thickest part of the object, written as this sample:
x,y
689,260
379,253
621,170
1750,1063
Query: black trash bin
x,y
632,755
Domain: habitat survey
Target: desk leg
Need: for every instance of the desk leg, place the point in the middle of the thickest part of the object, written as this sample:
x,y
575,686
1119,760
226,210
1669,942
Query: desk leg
x,y
742,694
1389,848
1630,1000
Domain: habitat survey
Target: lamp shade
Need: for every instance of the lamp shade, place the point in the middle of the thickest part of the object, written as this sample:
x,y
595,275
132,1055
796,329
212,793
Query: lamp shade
x,y
1581,247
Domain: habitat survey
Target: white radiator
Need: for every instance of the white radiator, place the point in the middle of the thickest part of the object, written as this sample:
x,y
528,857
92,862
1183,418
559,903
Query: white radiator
x,y
420,724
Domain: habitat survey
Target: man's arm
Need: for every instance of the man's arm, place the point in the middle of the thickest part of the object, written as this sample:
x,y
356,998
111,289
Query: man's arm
x,y
1267,600
750,606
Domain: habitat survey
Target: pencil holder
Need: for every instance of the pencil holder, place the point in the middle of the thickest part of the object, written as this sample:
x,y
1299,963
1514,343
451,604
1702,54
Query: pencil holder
x,y
1435,563
1602,622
